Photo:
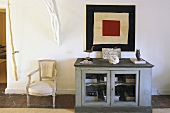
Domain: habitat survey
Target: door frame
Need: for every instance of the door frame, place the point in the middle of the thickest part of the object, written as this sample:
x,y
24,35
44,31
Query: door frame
x,y
4,5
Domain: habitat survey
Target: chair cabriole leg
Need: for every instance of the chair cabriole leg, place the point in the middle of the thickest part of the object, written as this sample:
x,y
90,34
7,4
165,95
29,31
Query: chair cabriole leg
x,y
54,101
28,101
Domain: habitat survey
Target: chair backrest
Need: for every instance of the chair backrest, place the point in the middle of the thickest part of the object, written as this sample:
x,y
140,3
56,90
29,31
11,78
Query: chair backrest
x,y
47,69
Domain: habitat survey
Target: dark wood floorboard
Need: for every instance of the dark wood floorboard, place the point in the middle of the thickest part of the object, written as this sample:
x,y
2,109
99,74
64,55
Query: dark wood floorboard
x,y
161,101
62,101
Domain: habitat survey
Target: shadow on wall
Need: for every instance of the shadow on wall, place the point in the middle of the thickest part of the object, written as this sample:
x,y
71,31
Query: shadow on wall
x,y
66,68
163,78
66,76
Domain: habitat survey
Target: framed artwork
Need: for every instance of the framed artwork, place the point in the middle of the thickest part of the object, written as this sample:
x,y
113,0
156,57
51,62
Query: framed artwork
x,y
110,26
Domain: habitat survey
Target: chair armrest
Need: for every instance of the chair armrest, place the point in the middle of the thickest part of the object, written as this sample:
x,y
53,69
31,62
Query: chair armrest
x,y
29,79
32,73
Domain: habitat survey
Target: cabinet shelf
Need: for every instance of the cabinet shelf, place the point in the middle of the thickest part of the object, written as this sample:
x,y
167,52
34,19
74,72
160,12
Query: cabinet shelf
x,y
96,84
124,83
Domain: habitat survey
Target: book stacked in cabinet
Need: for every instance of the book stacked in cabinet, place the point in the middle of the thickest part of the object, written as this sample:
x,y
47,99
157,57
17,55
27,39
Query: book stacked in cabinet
x,y
105,87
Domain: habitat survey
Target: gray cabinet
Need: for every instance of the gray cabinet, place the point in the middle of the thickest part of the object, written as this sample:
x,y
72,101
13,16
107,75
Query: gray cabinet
x,y
122,87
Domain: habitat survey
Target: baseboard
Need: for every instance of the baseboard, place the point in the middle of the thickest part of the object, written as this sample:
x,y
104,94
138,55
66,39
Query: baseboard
x,y
155,92
160,91
14,91
72,91
22,91
164,91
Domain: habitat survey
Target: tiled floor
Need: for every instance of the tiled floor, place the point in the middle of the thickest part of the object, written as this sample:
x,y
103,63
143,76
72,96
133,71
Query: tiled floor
x,y
19,101
62,101
161,101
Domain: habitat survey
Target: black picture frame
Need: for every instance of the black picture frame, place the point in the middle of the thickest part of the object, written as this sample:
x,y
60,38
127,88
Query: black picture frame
x,y
91,9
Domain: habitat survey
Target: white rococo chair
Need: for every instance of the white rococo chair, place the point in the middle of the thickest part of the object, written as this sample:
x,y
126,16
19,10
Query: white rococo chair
x,y
47,81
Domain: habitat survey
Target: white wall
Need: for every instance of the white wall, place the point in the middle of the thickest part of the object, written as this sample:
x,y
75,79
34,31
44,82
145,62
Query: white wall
x,y
33,38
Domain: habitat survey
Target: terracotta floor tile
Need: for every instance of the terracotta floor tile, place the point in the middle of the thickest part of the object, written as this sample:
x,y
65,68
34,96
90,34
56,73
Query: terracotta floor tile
x,y
62,101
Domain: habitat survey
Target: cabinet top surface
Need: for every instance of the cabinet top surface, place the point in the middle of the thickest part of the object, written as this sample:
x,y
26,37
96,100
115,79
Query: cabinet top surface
x,y
100,62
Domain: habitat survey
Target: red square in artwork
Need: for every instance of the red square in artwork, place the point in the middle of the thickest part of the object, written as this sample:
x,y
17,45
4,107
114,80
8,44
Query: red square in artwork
x,y
111,28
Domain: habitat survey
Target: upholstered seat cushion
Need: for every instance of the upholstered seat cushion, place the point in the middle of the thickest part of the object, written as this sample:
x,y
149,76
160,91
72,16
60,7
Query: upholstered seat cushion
x,y
41,88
